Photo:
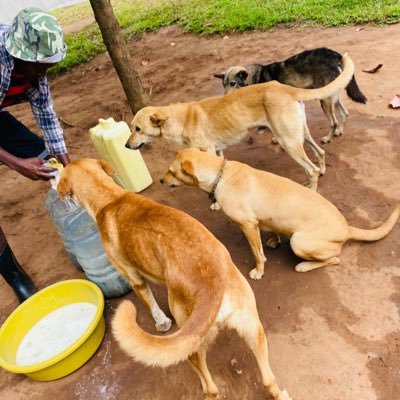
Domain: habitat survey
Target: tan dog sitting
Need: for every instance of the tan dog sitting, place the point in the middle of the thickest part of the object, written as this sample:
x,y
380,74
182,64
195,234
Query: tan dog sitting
x,y
258,200
206,292
214,123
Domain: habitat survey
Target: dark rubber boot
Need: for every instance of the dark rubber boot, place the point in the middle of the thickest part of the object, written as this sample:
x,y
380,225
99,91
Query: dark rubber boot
x,y
15,276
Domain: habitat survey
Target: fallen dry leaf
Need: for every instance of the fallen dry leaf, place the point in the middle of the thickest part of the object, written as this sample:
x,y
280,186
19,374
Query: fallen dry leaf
x,y
395,102
373,70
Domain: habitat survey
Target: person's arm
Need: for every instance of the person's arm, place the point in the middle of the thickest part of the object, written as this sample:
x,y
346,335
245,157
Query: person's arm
x,y
42,108
31,168
63,159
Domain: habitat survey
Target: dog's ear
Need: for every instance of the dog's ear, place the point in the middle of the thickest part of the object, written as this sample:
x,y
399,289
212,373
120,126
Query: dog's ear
x,y
107,167
63,188
220,76
243,75
187,167
157,119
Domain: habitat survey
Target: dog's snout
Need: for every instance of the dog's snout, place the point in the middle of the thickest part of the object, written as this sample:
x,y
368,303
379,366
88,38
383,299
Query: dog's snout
x,y
128,146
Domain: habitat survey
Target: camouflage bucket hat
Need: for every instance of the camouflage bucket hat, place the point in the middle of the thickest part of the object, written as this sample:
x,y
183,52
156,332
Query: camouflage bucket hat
x,y
36,36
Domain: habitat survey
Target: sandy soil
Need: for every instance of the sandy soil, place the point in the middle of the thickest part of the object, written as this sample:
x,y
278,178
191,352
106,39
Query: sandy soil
x,y
333,333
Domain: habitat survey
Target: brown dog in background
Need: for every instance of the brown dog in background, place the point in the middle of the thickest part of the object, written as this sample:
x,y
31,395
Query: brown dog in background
x,y
214,123
258,200
308,69
206,292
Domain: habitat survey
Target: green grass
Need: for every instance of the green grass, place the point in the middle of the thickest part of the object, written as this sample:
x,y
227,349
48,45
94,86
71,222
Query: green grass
x,y
219,17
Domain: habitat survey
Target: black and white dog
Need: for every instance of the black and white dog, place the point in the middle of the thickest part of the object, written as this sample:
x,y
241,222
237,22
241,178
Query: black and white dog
x,y
309,69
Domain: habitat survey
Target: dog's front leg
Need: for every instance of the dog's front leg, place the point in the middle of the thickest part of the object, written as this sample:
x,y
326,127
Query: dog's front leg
x,y
211,149
143,291
252,233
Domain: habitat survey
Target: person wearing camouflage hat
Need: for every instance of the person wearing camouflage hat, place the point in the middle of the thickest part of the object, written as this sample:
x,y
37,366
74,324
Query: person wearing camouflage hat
x,y
32,44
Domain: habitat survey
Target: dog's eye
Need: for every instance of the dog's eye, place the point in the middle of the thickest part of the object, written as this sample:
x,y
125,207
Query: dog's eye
x,y
232,84
137,129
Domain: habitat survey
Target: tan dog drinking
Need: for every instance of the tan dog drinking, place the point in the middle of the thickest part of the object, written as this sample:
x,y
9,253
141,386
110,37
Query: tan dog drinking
x,y
258,200
206,292
214,123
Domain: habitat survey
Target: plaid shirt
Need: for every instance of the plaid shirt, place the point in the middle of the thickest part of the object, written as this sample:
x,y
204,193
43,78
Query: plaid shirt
x,y
39,98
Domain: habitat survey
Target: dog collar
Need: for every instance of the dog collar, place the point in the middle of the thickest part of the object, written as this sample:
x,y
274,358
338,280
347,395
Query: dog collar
x,y
211,195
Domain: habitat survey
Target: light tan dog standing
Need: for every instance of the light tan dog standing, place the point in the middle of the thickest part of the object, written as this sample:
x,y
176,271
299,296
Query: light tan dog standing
x,y
206,292
258,200
214,123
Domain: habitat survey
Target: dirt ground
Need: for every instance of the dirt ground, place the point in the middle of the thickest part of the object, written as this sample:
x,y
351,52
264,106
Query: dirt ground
x,y
333,333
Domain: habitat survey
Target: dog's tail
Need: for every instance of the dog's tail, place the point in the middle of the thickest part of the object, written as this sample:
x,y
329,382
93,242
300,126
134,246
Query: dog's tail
x,y
331,88
169,349
370,235
354,92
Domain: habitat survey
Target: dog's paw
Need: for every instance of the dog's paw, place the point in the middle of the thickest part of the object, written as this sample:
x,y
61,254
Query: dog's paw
x,y
338,131
326,139
215,207
285,395
255,274
212,396
302,267
273,242
311,185
164,326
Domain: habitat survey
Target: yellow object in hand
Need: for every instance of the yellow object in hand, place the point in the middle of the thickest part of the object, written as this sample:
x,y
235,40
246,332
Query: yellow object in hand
x,y
53,163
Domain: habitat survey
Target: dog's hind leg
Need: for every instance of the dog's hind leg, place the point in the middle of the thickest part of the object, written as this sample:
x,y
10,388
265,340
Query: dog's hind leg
x,y
306,266
247,323
290,132
328,106
318,152
339,105
199,364
319,253
296,151
197,360
341,116
143,291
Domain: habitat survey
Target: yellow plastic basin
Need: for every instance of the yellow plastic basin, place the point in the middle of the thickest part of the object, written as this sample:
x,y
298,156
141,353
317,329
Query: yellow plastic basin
x,y
35,308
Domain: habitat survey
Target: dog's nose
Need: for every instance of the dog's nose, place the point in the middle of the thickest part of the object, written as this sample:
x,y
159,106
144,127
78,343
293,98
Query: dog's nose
x,y
127,145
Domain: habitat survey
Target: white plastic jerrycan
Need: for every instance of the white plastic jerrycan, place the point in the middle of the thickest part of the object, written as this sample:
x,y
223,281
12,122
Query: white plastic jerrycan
x,y
109,138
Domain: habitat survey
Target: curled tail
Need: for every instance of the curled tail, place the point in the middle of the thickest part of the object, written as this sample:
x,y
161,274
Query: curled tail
x,y
331,88
354,92
378,233
169,349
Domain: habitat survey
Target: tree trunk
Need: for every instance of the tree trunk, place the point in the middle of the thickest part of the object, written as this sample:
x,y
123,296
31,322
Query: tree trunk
x,y
118,50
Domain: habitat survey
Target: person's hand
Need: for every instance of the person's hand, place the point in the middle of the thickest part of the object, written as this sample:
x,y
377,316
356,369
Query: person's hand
x,y
33,168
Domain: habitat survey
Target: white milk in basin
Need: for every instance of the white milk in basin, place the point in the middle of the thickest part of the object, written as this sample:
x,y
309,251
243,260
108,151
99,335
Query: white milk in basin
x,y
55,332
